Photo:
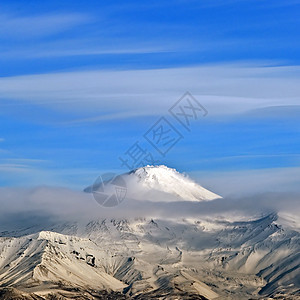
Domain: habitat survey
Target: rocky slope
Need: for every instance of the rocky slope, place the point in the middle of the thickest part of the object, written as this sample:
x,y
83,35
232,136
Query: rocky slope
x,y
214,259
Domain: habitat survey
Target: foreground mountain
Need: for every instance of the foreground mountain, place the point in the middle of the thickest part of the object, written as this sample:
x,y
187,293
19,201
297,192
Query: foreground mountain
x,y
203,257
208,258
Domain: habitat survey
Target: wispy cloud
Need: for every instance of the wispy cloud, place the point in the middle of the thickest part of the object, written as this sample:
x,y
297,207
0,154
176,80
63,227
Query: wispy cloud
x,y
24,160
36,172
250,182
65,49
223,89
33,26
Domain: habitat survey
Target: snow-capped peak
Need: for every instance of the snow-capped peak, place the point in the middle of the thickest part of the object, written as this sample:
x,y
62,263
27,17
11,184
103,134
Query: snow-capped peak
x,y
168,180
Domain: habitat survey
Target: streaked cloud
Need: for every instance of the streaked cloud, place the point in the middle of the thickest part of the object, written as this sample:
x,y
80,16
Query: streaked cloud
x,y
33,26
222,89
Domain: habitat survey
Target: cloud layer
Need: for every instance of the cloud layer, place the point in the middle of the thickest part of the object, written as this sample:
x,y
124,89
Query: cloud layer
x,y
22,208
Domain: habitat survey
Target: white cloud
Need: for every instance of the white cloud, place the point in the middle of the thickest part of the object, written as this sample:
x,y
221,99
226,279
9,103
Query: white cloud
x,y
23,206
51,50
16,26
95,95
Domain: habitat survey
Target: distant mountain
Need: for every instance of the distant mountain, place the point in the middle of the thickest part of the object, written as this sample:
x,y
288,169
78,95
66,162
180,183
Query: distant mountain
x,y
167,180
160,183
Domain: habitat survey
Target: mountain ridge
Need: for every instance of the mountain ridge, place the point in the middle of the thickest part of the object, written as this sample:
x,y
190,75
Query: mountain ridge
x,y
152,256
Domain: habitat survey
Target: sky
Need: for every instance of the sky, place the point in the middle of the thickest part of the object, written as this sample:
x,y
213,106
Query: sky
x,y
83,82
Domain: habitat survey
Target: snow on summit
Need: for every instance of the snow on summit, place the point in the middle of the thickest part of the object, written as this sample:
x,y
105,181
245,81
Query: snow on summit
x,y
161,183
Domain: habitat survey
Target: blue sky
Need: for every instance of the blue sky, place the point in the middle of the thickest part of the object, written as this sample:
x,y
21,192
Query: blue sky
x,y
82,81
